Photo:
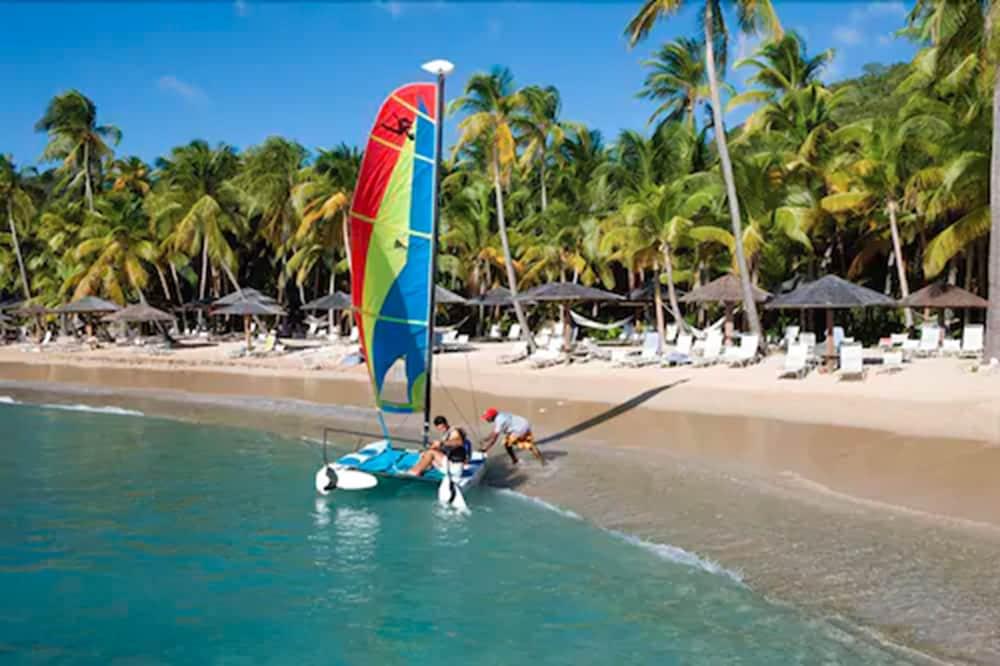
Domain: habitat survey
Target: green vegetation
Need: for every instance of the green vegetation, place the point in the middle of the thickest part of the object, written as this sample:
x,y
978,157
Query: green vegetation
x,y
884,179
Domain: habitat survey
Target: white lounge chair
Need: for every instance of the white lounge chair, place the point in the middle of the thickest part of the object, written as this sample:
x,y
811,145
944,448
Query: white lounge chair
x,y
712,352
852,364
681,354
892,361
514,333
951,347
648,355
518,353
791,336
897,339
671,333
972,342
744,354
550,355
354,335
495,333
796,362
930,340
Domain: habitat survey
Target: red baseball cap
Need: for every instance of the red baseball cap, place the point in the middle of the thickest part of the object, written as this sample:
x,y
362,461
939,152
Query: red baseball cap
x,y
490,414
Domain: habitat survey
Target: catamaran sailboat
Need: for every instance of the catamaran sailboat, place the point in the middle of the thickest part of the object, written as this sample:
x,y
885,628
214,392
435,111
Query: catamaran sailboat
x,y
393,245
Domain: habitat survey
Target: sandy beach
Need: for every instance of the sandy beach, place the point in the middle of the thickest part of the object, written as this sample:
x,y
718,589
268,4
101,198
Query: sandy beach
x,y
874,502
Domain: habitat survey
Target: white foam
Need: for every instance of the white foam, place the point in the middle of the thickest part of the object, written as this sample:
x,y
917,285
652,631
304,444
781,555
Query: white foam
x,y
7,400
540,503
680,556
118,411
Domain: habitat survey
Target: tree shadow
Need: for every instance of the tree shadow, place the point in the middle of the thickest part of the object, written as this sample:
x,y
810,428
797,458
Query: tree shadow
x,y
609,414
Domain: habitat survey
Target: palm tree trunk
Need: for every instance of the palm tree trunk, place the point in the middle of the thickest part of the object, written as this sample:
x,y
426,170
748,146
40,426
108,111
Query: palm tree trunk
x,y
541,171
658,305
507,259
719,130
329,313
897,248
346,230
17,252
993,314
88,189
204,278
163,283
668,264
180,296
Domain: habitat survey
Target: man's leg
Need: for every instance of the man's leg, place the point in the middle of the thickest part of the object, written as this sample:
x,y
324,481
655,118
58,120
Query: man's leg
x,y
425,461
527,441
508,444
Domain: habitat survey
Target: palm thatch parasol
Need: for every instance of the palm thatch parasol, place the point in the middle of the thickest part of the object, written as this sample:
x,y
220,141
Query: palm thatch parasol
x,y
941,295
88,305
32,311
443,296
335,301
495,296
10,304
727,290
248,310
243,294
565,293
139,312
830,293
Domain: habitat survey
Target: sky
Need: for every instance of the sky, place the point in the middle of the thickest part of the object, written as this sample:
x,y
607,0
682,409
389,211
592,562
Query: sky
x,y
239,71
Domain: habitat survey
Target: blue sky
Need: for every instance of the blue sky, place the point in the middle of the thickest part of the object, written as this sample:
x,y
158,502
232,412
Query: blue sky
x,y
240,71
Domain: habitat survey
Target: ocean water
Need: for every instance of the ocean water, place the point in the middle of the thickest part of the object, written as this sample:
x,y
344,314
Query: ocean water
x,y
128,540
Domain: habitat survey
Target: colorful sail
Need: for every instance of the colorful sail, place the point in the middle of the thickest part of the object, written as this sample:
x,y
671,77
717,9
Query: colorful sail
x,y
391,239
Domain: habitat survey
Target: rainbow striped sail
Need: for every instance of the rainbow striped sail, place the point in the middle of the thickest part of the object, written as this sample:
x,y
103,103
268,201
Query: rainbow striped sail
x,y
391,243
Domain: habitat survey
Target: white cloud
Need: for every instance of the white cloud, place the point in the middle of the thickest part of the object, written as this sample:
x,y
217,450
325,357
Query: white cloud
x,y
186,91
886,9
240,7
847,35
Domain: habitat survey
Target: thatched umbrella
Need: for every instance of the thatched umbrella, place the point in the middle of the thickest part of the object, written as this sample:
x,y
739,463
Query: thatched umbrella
x,y
140,312
243,294
726,290
830,293
565,293
495,296
10,304
941,295
248,310
338,300
88,305
32,311
443,296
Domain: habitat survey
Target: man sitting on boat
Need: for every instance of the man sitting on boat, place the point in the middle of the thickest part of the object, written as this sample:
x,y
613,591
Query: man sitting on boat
x,y
454,446
514,430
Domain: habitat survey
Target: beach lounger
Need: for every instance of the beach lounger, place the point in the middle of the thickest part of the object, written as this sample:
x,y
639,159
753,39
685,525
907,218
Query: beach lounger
x,y
514,333
951,347
495,333
796,362
972,342
518,353
671,333
930,340
851,362
744,354
550,355
712,352
897,339
353,337
892,361
681,354
791,336
648,355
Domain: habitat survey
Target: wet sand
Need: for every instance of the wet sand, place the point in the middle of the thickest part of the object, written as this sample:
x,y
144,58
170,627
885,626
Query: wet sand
x,y
874,527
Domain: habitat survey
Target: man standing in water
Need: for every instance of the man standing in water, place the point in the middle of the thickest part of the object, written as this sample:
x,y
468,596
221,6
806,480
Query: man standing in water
x,y
514,430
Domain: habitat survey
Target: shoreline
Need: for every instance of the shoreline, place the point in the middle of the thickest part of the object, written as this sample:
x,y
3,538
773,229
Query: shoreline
x,y
851,524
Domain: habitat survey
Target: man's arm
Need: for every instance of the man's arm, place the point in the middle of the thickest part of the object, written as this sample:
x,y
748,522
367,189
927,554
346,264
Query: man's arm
x,y
489,441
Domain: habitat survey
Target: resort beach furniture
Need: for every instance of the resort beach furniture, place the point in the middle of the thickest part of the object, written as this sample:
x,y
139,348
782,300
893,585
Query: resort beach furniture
x,y
744,354
930,340
648,355
550,355
851,362
897,339
518,353
712,352
671,333
494,333
796,362
791,335
972,341
892,361
514,333
951,347
681,355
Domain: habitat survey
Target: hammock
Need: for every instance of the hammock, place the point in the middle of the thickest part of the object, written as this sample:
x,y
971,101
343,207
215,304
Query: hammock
x,y
451,327
580,320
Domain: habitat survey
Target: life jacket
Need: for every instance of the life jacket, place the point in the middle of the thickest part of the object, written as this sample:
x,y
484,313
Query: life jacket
x,y
466,444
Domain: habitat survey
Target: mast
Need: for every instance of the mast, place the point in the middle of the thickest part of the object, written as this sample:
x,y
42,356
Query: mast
x,y
440,68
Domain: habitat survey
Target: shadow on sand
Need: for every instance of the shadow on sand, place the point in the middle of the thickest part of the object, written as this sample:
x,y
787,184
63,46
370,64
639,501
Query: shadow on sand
x,y
609,414
511,476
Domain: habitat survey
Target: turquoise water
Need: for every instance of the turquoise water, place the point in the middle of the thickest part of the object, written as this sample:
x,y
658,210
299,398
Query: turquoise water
x,y
132,540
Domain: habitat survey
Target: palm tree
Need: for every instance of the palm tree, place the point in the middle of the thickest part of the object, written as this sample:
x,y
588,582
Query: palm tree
x,y
196,200
754,16
540,129
75,138
491,103
782,66
131,174
114,252
677,77
962,37
19,207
